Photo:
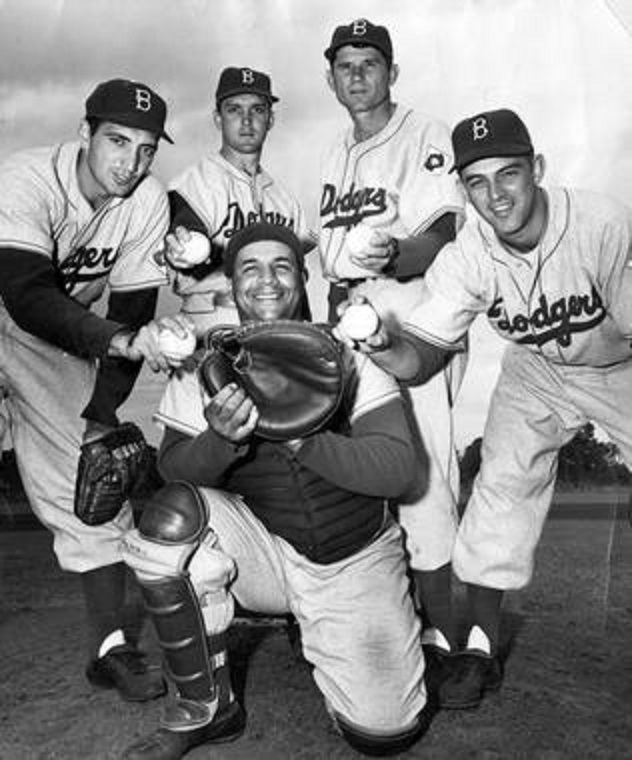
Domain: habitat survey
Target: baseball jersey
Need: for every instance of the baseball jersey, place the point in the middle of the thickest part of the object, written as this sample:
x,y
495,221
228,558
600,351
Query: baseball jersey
x,y
226,199
569,299
398,181
42,209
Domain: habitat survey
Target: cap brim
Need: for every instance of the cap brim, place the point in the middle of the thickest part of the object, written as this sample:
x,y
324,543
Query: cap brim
x,y
331,51
126,121
496,153
268,96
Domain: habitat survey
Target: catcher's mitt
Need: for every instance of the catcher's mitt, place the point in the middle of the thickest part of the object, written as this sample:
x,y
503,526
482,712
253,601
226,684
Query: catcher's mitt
x,y
293,372
109,466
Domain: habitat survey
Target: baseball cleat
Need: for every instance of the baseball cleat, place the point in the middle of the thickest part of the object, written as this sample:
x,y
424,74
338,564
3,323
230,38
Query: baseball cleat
x,y
163,744
124,668
472,673
437,667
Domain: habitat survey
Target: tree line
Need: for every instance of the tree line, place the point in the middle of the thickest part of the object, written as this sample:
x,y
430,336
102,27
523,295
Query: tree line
x,y
584,461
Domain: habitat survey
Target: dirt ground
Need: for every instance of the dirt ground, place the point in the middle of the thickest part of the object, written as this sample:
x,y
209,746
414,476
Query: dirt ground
x,y
567,692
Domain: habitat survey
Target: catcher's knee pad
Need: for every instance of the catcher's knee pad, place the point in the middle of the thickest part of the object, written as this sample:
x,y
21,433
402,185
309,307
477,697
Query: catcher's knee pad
x,y
379,744
174,539
175,514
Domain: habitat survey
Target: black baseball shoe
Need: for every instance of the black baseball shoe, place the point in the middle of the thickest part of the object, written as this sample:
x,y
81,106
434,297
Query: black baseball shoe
x,y
471,674
438,662
227,725
124,668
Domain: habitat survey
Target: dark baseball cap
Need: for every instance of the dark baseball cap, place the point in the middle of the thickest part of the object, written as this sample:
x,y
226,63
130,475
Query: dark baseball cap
x,y
488,135
238,81
131,104
262,231
361,32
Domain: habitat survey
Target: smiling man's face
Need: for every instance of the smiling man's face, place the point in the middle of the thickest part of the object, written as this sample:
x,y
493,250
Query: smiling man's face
x,y
267,282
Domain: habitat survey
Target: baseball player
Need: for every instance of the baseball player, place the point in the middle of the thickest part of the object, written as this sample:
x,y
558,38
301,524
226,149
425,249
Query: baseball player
x,y
300,526
552,269
223,193
388,176
75,219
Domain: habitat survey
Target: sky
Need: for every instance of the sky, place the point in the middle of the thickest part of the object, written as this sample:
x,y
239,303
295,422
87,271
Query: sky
x,y
564,65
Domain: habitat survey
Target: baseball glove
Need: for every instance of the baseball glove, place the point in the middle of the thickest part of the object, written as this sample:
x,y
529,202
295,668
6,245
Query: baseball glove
x,y
109,467
293,372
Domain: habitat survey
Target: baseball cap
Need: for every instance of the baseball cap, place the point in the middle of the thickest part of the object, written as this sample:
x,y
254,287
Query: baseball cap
x,y
237,81
259,231
129,103
490,134
361,32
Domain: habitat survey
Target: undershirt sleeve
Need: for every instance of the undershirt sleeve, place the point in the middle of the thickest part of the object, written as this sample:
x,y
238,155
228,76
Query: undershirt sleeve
x,y
202,459
378,459
416,254
37,303
116,376
183,215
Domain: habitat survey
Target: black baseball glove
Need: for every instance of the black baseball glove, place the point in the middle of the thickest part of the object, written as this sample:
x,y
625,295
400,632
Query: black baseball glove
x,y
109,467
294,372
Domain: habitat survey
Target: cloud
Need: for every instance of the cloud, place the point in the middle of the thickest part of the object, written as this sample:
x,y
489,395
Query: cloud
x,y
566,69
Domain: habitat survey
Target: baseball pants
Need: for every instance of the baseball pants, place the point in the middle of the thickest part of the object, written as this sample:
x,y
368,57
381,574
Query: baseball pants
x,y
429,517
358,626
536,408
47,389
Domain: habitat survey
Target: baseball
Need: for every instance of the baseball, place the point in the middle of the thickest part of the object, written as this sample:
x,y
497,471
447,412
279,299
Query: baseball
x,y
174,347
358,238
196,249
360,321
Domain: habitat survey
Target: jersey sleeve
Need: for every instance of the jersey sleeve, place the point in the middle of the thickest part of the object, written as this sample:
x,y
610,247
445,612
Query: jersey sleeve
x,y
456,289
199,202
378,457
137,267
182,404
373,388
202,192
430,189
24,208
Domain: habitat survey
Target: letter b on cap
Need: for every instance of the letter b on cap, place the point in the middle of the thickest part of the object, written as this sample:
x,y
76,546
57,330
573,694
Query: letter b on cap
x,y
480,129
359,27
143,100
247,76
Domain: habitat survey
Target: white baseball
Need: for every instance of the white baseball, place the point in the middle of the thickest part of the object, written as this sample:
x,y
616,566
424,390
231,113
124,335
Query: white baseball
x,y
175,347
358,238
196,249
360,321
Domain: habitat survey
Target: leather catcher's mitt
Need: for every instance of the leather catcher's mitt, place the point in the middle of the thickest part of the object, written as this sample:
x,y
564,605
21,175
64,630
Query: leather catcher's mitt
x,y
109,466
293,372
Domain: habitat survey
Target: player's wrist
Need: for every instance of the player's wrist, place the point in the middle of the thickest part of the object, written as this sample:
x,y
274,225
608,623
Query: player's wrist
x,y
121,343
391,267
95,429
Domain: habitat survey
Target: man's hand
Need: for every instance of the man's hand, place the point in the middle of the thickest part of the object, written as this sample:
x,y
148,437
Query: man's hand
x,y
386,347
378,253
144,344
232,414
185,249
379,340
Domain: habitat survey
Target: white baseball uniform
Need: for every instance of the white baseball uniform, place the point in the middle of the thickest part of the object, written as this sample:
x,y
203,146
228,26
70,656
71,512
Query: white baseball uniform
x,y
399,181
225,199
334,601
566,308
42,210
